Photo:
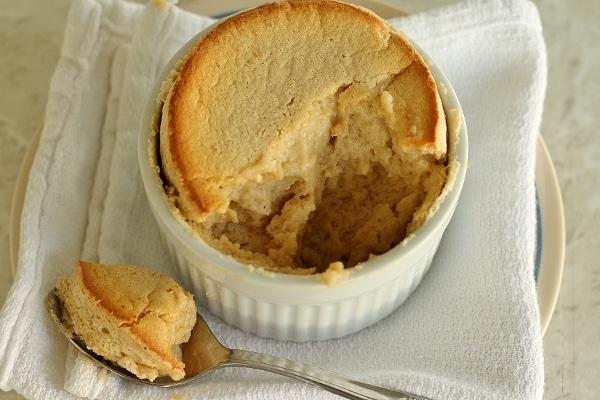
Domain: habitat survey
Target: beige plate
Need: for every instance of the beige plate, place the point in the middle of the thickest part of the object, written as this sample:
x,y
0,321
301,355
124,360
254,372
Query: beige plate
x,y
551,232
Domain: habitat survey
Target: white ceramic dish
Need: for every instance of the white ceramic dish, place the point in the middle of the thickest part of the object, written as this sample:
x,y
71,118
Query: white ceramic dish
x,y
292,307
551,234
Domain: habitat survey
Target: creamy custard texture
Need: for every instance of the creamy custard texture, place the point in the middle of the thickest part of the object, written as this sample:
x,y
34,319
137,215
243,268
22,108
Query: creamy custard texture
x,y
343,189
339,157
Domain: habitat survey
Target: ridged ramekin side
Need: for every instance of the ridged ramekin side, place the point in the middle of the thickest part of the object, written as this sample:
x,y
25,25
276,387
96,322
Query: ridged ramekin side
x,y
300,322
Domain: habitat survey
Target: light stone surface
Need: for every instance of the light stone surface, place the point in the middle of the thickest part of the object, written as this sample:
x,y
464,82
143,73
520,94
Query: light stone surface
x,y
30,39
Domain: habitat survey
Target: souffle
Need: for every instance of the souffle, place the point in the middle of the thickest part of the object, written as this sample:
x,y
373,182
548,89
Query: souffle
x,y
132,316
299,135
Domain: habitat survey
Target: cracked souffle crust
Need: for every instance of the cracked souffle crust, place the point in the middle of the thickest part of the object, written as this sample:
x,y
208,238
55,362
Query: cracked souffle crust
x,y
302,133
132,316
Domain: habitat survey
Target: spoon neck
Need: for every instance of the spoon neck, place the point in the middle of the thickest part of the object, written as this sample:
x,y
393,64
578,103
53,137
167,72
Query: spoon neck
x,y
335,383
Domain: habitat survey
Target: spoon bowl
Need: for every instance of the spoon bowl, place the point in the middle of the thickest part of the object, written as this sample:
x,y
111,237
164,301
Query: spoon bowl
x,y
203,353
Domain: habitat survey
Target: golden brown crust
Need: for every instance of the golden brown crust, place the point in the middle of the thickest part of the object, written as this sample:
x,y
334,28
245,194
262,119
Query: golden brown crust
x,y
245,83
132,316
418,109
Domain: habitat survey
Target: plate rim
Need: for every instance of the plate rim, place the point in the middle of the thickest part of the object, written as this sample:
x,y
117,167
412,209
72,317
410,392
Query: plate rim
x,y
552,223
551,211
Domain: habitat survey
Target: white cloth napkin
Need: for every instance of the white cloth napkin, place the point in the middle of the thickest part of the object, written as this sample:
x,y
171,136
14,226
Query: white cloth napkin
x,y
470,331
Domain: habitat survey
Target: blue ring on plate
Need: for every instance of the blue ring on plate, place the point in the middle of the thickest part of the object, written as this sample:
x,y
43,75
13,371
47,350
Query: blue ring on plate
x,y
538,237
223,15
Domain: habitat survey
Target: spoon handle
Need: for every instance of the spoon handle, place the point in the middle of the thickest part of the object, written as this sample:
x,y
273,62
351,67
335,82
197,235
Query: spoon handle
x,y
330,381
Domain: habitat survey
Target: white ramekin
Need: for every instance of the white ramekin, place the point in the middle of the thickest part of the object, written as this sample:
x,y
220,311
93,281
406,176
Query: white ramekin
x,y
292,307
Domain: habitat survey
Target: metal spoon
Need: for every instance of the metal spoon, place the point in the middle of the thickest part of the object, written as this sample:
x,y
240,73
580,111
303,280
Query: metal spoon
x,y
203,353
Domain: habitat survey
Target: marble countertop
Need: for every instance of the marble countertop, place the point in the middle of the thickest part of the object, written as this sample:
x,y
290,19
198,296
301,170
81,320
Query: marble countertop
x,y
30,40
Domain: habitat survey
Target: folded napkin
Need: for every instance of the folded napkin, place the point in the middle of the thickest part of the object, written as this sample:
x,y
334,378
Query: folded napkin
x,y
470,331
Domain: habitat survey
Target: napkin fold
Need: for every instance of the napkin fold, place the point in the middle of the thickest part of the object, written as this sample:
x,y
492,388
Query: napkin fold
x,y
471,330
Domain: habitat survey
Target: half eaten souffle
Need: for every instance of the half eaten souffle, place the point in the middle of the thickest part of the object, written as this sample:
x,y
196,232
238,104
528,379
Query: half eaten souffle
x,y
302,134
